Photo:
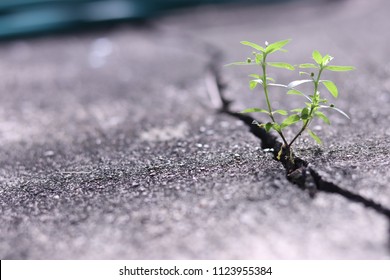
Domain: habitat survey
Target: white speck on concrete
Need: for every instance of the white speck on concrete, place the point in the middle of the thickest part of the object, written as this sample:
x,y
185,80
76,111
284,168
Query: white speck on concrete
x,y
165,133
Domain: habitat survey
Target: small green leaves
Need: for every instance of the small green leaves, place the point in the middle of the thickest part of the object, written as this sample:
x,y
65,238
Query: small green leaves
x,y
281,112
317,57
279,156
331,87
339,68
259,79
308,65
314,136
294,91
305,114
270,79
281,65
326,59
298,110
258,58
253,45
254,83
276,46
268,126
290,120
254,110
270,48
315,103
297,92
277,127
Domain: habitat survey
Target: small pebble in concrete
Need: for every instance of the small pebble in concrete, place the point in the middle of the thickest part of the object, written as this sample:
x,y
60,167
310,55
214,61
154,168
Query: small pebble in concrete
x,y
49,153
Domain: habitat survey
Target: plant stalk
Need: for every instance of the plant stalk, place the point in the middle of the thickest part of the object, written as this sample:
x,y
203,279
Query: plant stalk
x,y
265,87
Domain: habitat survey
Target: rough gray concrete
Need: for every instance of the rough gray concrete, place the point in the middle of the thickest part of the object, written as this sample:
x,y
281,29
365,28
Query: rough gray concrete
x,y
110,148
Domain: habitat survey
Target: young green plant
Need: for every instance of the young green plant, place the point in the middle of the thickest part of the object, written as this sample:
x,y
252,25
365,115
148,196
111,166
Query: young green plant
x,y
313,107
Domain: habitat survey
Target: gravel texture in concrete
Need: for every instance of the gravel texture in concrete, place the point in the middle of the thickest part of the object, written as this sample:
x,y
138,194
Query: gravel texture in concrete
x,y
111,148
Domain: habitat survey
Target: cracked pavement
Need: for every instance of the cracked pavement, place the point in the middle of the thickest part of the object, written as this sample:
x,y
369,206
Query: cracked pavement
x,y
111,149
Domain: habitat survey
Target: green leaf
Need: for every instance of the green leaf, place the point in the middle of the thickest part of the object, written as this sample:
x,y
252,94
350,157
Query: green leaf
x,y
254,110
276,127
323,101
258,58
314,136
281,65
258,77
326,59
317,57
290,120
268,127
281,112
261,78
253,45
298,82
331,87
308,65
276,46
305,114
304,73
254,83
322,116
339,68
295,92
298,110
270,79
240,63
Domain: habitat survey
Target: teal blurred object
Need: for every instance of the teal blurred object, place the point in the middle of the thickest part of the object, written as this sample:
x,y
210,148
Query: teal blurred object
x,y
24,17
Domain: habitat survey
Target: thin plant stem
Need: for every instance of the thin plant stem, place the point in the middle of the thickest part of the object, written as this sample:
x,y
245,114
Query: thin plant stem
x,y
265,87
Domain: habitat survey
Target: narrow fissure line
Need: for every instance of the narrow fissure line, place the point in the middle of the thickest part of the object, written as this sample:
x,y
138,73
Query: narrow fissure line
x,y
301,174
329,187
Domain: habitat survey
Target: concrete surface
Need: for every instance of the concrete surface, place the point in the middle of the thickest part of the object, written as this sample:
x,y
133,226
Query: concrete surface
x,y
110,148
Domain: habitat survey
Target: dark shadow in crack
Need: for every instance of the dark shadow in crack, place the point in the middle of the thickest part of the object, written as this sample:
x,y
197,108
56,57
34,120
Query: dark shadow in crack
x,y
330,187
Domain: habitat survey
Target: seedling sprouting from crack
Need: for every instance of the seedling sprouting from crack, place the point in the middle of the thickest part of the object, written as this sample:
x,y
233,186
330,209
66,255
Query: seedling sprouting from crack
x,y
315,104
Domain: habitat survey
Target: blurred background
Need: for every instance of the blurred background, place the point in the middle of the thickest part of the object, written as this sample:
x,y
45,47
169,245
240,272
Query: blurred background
x,y
27,17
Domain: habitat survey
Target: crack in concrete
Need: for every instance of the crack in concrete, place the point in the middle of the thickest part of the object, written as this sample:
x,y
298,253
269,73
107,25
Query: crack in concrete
x,y
301,173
